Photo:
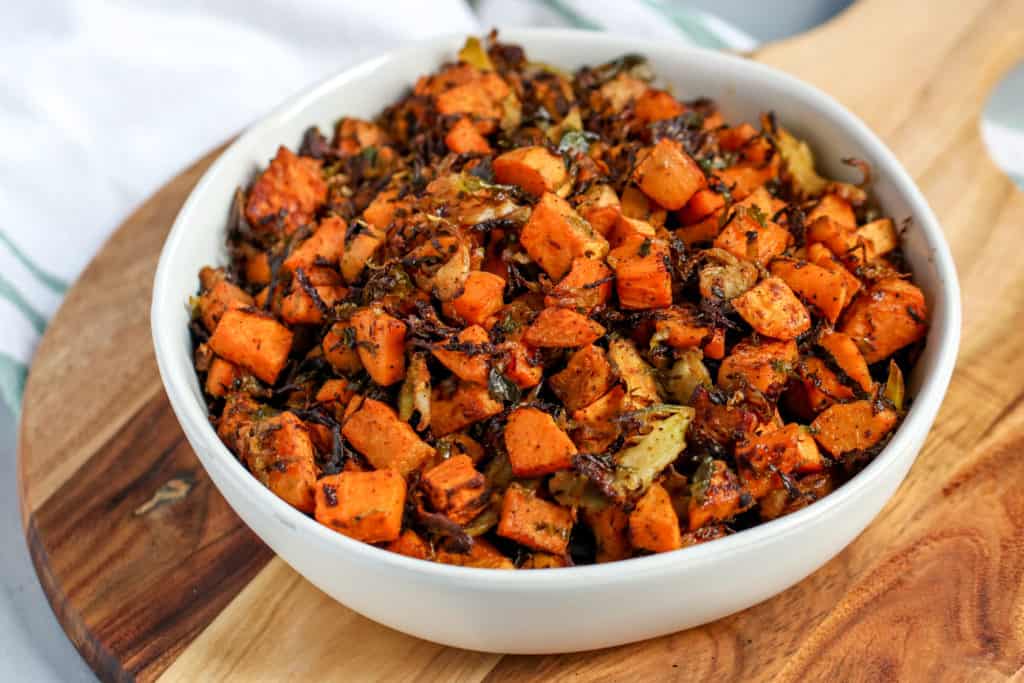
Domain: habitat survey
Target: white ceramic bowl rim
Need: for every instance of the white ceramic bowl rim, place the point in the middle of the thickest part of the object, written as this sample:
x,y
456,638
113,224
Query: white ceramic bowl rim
x,y
925,403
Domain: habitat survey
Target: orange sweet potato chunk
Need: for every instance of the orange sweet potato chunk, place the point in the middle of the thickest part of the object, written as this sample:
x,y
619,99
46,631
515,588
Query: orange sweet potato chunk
x,y
376,431
657,105
835,208
534,169
889,316
411,544
380,343
472,364
820,287
643,278
848,357
773,310
481,297
298,307
587,377
279,453
339,347
668,175
848,427
701,205
468,404
253,340
600,207
536,445
366,506
323,248
535,523
788,449
555,234
221,376
764,366
464,138
586,286
288,193
363,242
221,297
755,240
718,499
456,489
611,532
654,524
680,328
562,328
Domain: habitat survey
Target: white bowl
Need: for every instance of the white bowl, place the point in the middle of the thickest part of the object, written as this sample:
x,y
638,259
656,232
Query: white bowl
x,y
577,608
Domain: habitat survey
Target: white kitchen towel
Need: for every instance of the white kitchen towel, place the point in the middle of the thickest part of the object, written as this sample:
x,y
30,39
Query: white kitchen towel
x,y
101,102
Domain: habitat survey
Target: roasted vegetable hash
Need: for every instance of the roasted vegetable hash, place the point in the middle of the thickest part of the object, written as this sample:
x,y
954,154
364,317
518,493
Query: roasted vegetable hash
x,y
532,319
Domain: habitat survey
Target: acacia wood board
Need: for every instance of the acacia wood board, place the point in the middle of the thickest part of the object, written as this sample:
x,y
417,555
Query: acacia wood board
x,y
153,576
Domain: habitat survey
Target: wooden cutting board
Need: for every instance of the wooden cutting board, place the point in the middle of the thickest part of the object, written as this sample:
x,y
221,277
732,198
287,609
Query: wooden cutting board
x,y
153,576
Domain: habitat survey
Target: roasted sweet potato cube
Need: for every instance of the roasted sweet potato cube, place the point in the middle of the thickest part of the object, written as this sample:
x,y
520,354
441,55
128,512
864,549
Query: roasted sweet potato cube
x,y
585,287
362,242
535,523
765,366
704,230
380,343
773,310
299,308
376,431
481,297
521,366
536,445
744,178
339,348
653,524
236,421
287,193
323,248
335,391
353,135
482,555
595,425
222,297
835,208
848,427
411,544
555,234
643,277
701,205
820,287
627,228
610,528
714,348
562,328
464,138
788,449
657,105
253,340
638,207
468,404
821,386
600,207
717,495
753,237
279,453
840,239
587,377
680,328
879,237
721,422
479,98
466,355
456,489
534,169
668,175
889,316
848,357
221,376
382,209
366,506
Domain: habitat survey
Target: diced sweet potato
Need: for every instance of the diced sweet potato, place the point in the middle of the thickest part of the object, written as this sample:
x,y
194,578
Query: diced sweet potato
x,y
376,431
744,178
755,240
411,544
668,175
219,299
626,229
717,495
721,422
286,194
610,528
820,287
657,105
381,210
643,277
764,366
323,248
788,449
848,357
353,135
339,347
536,445
221,376
636,205
773,310
635,373
470,403
841,240
298,307
470,364
714,348
521,367
586,286
482,555
595,425
236,420
380,343
834,207
555,234
821,386
889,316
362,243
562,328
600,207
680,328
701,205
253,340
587,377
534,169
257,267
705,230
279,453
821,255
479,98
481,297
464,138
535,523
456,489
879,237
653,524
367,506
847,427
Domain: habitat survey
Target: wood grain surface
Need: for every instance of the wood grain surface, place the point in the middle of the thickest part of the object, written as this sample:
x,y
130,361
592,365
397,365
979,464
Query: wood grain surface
x,y
153,576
